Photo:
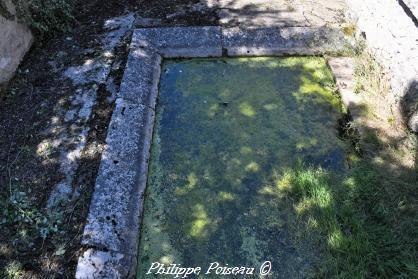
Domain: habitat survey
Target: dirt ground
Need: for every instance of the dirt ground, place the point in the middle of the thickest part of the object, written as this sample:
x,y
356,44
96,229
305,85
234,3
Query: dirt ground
x,y
36,242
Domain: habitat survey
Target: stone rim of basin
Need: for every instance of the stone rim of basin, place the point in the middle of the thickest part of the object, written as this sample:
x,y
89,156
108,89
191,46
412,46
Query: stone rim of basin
x,y
111,234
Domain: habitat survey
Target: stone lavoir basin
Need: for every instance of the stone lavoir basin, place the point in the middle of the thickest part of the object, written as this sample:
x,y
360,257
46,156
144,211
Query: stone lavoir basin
x,y
226,131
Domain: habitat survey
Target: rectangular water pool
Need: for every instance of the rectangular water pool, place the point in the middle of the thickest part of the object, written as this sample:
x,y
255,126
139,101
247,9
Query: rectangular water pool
x,y
227,132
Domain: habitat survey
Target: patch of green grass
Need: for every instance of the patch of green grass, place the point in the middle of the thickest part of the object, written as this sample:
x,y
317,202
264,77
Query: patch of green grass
x,y
369,75
367,218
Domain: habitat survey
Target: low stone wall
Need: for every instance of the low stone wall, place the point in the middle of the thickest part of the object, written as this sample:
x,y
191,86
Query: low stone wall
x,y
392,37
15,41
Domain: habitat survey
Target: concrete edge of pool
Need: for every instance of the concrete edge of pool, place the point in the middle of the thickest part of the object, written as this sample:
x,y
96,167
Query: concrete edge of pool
x,y
111,234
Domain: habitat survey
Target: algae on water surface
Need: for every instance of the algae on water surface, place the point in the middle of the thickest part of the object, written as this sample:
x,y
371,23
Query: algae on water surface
x,y
226,131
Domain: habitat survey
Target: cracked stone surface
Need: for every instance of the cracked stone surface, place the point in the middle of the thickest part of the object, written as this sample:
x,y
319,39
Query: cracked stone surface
x,y
97,69
117,28
71,141
90,71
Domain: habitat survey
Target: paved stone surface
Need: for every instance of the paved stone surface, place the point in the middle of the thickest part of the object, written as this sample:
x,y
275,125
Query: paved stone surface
x,y
279,13
379,21
99,264
113,221
181,41
282,41
97,69
140,80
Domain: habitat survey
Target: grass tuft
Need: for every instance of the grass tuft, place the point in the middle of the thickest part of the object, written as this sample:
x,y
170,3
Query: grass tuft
x,y
366,218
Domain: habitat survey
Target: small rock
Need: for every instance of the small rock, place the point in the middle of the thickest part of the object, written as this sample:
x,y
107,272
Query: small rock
x,y
147,22
180,12
224,13
198,7
413,122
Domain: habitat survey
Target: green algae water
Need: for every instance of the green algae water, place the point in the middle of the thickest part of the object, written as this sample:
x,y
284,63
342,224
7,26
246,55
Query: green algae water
x,y
226,131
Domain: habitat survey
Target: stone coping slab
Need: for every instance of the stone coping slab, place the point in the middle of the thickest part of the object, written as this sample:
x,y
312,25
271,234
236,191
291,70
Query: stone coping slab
x,y
111,234
113,219
139,84
272,41
177,42
343,69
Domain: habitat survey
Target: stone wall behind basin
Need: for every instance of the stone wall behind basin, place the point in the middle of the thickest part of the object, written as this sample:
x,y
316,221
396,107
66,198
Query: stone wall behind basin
x,y
15,40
